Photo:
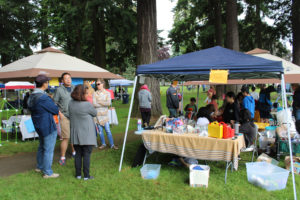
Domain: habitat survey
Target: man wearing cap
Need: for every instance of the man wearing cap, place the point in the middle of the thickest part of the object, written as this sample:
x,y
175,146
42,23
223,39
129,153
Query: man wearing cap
x,y
42,110
172,99
62,97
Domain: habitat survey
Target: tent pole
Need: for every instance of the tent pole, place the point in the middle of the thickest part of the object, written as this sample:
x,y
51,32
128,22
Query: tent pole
x,y
198,88
284,99
127,124
182,97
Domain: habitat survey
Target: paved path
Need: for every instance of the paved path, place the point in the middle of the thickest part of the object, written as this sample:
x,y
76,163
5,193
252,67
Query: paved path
x,y
23,162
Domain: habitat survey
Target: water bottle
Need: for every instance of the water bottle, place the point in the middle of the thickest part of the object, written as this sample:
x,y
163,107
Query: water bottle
x,y
236,128
139,125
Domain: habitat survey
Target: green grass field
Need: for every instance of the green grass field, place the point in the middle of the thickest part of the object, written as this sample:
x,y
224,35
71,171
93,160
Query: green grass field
x,y
128,184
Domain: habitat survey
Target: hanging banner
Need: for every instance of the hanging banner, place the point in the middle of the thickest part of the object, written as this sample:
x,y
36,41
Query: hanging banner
x,y
218,76
54,82
77,81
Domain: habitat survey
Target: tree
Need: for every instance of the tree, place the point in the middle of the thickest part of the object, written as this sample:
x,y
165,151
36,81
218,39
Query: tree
x,y
147,50
232,32
16,29
296,31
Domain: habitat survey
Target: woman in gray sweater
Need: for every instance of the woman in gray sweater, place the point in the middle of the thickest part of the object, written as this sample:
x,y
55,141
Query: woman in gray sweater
x,y
145,99
83,132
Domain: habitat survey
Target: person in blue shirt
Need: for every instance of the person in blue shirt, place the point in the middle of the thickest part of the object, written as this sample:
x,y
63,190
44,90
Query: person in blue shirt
x,y
248,101
42,109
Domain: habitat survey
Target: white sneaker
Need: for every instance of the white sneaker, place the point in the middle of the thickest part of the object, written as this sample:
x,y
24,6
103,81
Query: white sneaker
x,y
51,176
38,170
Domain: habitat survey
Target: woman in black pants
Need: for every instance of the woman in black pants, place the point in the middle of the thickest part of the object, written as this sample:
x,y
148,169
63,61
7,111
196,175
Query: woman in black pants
x,y
145,99
83,132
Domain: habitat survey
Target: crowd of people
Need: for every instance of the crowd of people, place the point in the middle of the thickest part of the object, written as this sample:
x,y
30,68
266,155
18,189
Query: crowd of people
x,y
243,108
83,113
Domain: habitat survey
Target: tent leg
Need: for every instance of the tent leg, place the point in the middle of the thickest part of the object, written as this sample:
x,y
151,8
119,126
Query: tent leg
x,y
127,124
198,87
284,99
182,98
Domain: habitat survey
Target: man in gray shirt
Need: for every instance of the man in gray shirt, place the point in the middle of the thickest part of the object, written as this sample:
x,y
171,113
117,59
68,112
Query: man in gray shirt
x,y
62,97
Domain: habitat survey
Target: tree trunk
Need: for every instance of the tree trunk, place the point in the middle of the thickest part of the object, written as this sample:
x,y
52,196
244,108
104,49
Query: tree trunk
x,y
99,38
218,22
296,31
232,32
43,26
147,51
258,36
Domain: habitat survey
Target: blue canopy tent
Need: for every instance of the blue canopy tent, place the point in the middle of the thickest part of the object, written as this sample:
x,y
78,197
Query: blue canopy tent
x,y
197,66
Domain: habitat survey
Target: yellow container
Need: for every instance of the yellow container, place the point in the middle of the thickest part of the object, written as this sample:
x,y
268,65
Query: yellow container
x,y
215,130
261,126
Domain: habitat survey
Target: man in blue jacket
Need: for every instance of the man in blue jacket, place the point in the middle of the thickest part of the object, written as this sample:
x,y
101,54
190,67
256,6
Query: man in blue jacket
x,y
248,101
42,110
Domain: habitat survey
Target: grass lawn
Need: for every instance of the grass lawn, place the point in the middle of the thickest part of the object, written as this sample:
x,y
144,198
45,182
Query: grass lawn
x,y
110,184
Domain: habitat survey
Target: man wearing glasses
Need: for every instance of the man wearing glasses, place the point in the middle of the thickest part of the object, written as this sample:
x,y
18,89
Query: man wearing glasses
x,y
62,97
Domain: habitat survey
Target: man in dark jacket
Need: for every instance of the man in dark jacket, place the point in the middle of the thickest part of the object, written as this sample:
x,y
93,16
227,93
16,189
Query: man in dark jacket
x,y
296,105
42,110
172,100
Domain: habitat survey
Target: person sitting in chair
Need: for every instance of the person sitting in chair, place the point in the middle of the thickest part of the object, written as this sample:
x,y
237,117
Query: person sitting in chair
x,y
247,127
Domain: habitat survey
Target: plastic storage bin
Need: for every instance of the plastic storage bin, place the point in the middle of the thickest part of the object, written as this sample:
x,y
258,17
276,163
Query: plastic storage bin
x,y
267,176
150,171
199,175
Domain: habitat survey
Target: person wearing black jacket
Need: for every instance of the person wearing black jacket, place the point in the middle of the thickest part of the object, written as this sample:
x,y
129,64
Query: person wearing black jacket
x,y
296,105
172,100
231,111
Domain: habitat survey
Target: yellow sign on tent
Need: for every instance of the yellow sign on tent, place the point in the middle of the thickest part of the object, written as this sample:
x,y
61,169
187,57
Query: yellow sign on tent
x,y
54,82
218,76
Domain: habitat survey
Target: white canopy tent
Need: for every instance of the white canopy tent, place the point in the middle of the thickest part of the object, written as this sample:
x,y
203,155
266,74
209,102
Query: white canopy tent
x,y
197,65
53,63
120,82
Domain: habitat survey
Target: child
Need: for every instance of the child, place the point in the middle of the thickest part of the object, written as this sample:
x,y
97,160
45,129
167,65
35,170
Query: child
x,y
190,109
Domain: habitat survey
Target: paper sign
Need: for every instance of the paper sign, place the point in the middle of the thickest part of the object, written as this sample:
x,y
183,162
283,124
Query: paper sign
x,y
54,82
218,76
29,126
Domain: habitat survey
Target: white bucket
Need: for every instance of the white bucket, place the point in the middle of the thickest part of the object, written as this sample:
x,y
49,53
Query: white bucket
x,y
199,177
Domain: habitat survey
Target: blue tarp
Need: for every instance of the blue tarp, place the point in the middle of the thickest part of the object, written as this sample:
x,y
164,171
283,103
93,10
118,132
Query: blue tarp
x,y
192,66
2,85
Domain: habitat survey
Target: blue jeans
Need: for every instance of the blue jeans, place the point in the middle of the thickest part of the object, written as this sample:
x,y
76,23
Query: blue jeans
x,y
108,133
45,153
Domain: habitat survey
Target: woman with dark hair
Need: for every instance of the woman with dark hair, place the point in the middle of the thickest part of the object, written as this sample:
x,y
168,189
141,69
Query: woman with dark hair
x,y
83,132
247,127
206,112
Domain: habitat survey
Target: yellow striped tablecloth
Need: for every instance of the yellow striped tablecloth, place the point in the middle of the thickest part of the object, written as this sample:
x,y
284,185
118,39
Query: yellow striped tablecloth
x,y
194,146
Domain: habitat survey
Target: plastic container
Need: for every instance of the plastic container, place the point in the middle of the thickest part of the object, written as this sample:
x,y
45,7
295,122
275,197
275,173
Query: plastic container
x,y
267,176
199,175
271,131
139,125
228,132
215,130
150,171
